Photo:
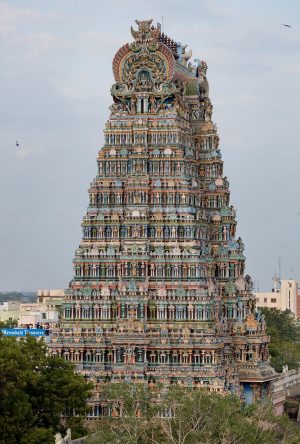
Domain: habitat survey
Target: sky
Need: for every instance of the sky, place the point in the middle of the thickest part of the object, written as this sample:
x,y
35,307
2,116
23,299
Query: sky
x,y
55,80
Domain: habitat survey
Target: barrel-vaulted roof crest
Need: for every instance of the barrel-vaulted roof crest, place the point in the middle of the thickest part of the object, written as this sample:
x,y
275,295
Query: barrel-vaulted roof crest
x,y
145,57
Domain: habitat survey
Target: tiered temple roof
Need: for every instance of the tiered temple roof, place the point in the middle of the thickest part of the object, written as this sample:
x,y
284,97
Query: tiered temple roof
x,y
159,292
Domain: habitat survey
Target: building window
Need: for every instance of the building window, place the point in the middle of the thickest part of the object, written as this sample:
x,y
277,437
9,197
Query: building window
x,y
265,300
273,300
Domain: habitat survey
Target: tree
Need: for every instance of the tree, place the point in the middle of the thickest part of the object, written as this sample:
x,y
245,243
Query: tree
x,y
131,412
281,324
198,416
39,394
181,415
9,323
285,338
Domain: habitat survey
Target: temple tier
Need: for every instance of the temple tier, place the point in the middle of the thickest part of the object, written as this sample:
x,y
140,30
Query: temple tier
x,y
159,293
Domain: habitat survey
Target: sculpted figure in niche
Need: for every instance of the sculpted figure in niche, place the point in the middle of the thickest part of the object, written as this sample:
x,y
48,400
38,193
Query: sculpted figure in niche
x,y
202,110
249,283
113,108
185,333
158,231
152,104
133,104
135,231
211,287
251,306
240,283
233,212
195,113
208,112
241,244
128,356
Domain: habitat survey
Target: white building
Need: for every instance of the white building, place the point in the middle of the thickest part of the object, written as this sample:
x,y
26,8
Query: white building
x,y
9,311
284,296
44,311
52,301
30,314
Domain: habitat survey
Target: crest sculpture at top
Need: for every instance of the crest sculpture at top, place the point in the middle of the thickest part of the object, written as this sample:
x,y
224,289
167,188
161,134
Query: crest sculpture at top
x,y
145,35
144,71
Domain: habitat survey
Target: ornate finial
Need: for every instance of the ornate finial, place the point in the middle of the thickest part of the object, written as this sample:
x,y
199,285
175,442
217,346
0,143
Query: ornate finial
x,y
144,25
146,35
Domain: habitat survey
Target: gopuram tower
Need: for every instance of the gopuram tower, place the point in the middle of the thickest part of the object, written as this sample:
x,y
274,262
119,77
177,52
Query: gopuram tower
x,y
159,292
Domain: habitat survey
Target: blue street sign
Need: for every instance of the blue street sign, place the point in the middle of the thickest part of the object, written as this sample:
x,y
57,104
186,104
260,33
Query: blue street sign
x,y
22,331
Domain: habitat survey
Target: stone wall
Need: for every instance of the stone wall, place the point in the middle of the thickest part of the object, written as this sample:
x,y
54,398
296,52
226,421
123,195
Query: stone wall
x,y
287,384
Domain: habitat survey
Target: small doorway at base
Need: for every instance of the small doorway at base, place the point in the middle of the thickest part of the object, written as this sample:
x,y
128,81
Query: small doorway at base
x,y
248,393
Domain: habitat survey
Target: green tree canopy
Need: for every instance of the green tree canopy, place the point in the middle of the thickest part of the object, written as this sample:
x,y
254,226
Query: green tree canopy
x,y
181,415
9,323
285,338
39,394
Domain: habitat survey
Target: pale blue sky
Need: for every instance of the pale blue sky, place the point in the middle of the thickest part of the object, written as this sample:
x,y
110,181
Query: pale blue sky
x,y
55,79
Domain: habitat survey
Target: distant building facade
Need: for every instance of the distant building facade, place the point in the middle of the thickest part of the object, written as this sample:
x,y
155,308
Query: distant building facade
x,y
284,296
44,311
52,301
30,314
9,311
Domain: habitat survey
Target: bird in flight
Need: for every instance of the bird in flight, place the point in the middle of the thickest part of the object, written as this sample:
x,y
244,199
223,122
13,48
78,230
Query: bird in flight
x,y
17,144
287,26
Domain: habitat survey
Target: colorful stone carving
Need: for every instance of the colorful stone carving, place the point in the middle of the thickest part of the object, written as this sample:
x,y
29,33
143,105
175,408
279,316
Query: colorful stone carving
x,y
159,293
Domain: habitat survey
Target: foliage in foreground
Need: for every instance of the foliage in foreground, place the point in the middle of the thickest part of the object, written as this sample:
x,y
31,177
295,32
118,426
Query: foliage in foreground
x,y
285,338
9,323
186,416
35,391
